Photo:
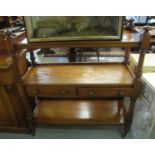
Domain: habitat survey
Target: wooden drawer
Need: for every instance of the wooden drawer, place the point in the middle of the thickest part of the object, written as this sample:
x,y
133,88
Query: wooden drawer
x,y
104,92
51,91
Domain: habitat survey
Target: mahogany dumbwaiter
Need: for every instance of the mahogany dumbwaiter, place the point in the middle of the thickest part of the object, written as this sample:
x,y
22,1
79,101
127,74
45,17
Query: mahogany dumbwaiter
x,y
79,93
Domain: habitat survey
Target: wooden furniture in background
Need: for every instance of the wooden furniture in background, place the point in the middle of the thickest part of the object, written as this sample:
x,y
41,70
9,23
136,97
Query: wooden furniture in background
x,y
12,112
8,21
13,66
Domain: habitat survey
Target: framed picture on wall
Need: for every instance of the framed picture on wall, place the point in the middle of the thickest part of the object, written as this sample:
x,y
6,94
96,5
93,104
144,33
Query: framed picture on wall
x,y
69,28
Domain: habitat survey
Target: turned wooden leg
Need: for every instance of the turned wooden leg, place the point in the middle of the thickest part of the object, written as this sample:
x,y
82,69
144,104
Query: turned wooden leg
x,y
120,103
72,55
122,109
98,56
127,52
80,56
129,117
32,57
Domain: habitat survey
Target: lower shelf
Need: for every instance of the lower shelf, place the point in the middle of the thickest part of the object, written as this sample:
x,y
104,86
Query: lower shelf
x,y
79,112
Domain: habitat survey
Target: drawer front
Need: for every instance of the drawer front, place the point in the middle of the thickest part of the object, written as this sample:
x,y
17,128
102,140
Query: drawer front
x,y
51,91
104,92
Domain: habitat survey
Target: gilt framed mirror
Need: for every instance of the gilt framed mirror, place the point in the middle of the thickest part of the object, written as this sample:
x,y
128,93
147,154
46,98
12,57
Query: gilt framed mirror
x,y
72,28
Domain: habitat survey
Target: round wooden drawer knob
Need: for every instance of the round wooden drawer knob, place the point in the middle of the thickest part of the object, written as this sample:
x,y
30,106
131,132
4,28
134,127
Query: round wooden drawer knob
x,y
121,93
63,92
91,93
36,92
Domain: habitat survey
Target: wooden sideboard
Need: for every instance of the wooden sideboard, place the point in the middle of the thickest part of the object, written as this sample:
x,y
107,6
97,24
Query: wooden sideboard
x,y
12,113
79,93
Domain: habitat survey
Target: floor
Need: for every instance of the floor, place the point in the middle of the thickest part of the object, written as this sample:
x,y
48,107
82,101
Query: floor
x,y
73,132
68,132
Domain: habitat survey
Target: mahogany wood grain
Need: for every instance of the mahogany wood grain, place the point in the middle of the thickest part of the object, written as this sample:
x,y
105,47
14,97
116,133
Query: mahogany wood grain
x,y
4,48
6,44
78,112
9,44
105,74
5,61
17,104
4,114
7,70
12,112
22,62
7,115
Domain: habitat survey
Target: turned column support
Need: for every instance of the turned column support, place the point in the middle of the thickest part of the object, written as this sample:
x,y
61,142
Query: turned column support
x,y
32,57
72,55
127,54
144,47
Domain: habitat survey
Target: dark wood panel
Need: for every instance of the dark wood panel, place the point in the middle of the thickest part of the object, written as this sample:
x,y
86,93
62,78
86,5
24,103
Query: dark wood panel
x,y
3,48
17,105
78,112
7,115
7,70
22,62
8,76
4,114
5,61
